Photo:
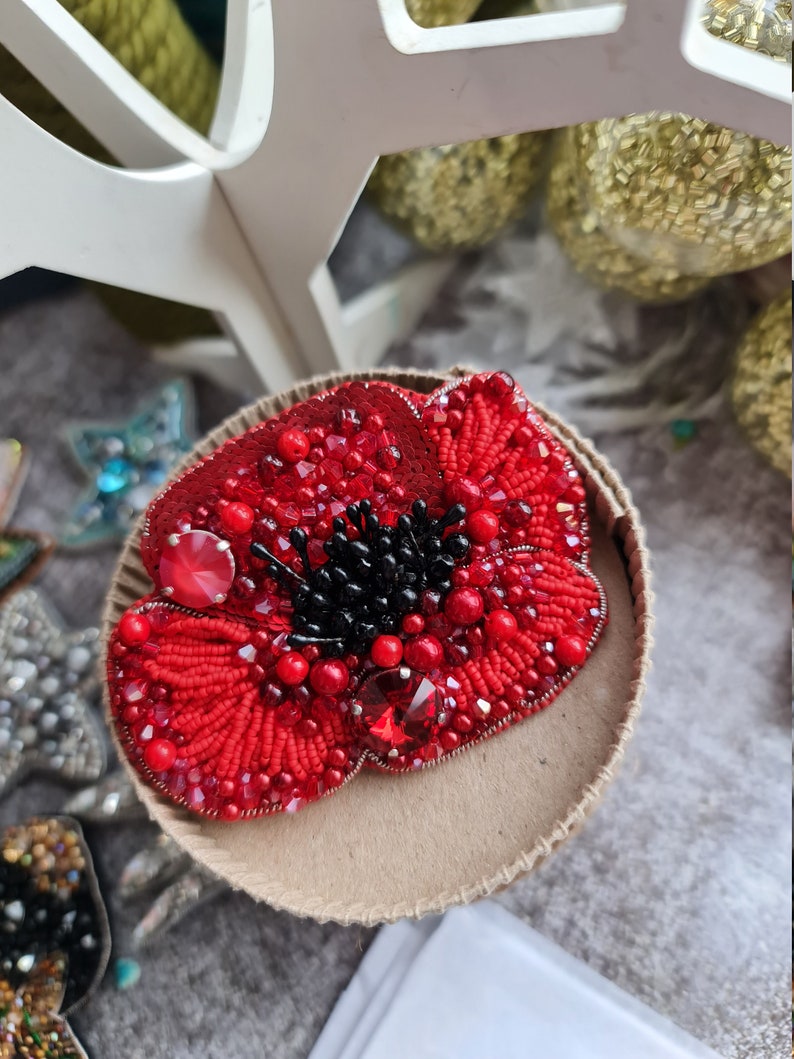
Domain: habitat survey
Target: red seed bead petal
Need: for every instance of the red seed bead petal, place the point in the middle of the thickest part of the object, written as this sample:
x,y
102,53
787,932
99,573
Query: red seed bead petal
x,y
386,651
134,629
160,754
329,677
570,650
464,606
500,625
482,526
292,668
237,517
424,652
293,445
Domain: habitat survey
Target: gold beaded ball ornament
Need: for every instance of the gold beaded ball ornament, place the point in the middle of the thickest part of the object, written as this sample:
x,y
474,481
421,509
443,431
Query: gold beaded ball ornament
x,y
663,202
460,196
760,25
761,389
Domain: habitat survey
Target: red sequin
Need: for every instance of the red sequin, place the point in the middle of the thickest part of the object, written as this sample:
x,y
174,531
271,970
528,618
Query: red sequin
x,y
225,716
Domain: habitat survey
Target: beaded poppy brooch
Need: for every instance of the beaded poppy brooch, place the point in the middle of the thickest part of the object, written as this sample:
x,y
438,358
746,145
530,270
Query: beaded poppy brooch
x,y
373,578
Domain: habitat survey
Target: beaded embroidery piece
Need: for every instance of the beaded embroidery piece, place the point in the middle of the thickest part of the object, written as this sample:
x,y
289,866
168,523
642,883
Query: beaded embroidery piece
x,y
126,463
55,936
48,685
373,578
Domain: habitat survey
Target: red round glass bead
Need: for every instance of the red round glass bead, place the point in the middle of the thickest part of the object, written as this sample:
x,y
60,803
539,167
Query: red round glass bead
x,y
570,650
237,517
160,754
449,740
374,423
501,384
196,570
352,461
424,652
500,625
231,811
482,526
386,651
329,677
546,665
134,629
464,606
292,445
337,757
413,624
333,777
292,668
399,710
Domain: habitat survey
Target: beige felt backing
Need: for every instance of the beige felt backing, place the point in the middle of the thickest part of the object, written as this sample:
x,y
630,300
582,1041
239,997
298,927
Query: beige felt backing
x,y
384,846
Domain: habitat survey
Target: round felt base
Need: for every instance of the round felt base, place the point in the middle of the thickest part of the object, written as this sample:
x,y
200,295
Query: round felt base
x,y
384,847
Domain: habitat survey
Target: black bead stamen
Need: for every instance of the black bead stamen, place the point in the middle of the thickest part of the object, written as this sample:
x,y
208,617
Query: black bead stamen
x,y
367,584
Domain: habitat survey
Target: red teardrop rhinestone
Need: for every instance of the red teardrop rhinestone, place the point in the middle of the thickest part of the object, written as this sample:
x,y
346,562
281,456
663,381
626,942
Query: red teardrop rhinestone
x,y
399,710
196,569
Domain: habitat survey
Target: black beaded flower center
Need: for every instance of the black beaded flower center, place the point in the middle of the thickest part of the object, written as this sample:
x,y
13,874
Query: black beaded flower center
x,y
369,583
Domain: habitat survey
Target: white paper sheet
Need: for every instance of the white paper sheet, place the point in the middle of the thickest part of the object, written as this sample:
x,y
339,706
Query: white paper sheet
x,y
479,983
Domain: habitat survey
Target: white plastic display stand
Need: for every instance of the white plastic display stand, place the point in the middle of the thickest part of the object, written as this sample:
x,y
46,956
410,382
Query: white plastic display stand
x,y
313,91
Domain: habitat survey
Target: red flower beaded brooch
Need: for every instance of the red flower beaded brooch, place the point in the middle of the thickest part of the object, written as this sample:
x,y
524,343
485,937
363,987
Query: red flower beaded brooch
x,y
372,578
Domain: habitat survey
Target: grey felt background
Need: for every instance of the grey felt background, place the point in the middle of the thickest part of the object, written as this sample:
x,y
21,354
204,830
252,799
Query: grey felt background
x,y
678,888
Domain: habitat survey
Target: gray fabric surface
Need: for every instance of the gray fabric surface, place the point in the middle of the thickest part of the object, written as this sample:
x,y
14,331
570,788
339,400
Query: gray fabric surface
x,y
678,889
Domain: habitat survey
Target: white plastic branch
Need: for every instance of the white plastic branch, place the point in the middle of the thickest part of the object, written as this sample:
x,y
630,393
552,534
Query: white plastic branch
x,y
244,222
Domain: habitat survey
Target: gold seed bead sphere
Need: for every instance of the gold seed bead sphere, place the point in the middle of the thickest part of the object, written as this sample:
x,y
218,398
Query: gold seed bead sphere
x,y
761,389
685,194
602,260
458,197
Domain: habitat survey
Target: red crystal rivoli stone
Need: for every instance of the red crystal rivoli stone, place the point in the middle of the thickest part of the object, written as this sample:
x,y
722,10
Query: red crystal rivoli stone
x,y
399,710
195,571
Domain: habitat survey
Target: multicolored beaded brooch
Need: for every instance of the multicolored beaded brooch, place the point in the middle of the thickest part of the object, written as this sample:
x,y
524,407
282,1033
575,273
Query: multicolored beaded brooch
x,y
373,578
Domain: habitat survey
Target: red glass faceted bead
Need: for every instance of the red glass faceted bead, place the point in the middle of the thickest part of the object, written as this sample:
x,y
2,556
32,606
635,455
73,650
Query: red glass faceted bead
x,y
570,650
464,491
134,629
386,651
399,710
424,652
293,445
292,668
482,526
329,677
237,517
517,513
196,569
160,754
500,625
464,606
